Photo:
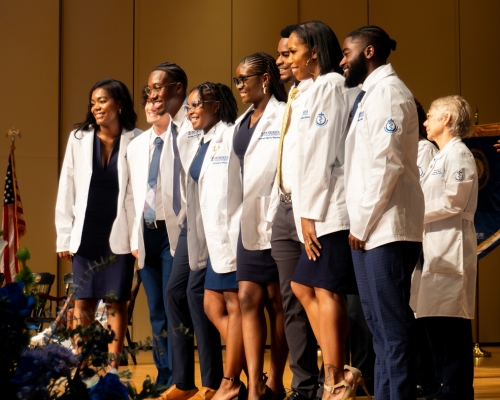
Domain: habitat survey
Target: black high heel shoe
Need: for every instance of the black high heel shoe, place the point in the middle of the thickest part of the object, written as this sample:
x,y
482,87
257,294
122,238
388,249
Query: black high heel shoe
x,y
269,394
242,392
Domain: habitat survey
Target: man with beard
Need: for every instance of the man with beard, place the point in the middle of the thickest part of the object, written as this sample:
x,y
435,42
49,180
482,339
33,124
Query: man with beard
x,y
286,246
385,205
174,292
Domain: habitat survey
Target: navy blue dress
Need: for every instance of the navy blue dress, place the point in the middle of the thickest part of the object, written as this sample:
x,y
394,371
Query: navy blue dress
x,y
251,265
213,280
114,279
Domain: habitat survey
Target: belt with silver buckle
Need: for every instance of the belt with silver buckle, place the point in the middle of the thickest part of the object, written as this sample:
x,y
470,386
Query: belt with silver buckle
x,y
155,224
286,198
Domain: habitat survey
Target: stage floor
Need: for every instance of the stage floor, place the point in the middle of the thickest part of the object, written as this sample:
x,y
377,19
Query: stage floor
x,y
486,372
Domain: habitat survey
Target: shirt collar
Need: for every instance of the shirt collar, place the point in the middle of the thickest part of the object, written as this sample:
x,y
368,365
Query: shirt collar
x,y
377,75
181,115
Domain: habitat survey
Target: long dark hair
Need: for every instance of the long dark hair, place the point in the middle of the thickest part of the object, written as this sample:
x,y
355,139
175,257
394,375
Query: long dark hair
x,y
120,94
219,92
320,36
265,63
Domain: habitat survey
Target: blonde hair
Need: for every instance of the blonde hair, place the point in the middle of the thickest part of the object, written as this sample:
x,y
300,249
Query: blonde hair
x,y
459,111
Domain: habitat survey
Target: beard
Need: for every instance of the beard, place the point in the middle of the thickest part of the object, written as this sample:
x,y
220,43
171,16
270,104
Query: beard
x,y
357,71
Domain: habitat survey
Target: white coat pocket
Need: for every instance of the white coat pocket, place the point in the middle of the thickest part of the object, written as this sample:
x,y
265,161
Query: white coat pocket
x,y
436,260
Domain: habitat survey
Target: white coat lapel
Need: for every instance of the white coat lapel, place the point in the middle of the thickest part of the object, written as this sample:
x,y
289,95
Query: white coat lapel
x,y
266,119
215,142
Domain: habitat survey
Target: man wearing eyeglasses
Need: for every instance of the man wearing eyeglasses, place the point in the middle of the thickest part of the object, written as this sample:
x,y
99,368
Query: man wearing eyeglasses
x,y
174,292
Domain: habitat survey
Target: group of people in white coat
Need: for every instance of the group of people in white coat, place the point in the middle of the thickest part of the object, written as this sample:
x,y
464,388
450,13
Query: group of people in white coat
x,y
305,198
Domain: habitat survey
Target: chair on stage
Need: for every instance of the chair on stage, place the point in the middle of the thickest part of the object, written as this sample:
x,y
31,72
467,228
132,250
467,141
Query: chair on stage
x,y
52,309
42,286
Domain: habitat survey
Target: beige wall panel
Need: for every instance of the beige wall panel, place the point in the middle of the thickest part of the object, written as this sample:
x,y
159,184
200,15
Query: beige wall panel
x,y
342,16
97,42
29,82
194,35
256,27
427,55
479,44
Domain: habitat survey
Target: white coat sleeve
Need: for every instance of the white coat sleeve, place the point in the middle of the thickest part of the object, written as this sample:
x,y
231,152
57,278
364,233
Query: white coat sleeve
x,y
426,152
66,199
130,209
387,149
318,142
459,175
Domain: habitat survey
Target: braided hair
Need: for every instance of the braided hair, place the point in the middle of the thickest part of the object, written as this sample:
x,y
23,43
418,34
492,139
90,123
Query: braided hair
x,y
174,72
219,92
120,94
375,36
317,35
265,63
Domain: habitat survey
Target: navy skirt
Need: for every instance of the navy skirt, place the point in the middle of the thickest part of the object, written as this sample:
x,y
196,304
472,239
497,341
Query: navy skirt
x,y
333,270
255,265
112,280
216,281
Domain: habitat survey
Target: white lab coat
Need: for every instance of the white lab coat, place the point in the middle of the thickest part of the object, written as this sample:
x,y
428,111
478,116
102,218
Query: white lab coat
x,y
426,152
260,163
323,128
213,222
384,199
446,285
74,183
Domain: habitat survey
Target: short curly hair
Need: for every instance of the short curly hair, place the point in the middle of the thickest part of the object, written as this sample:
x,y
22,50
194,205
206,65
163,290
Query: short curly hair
x,y
459,111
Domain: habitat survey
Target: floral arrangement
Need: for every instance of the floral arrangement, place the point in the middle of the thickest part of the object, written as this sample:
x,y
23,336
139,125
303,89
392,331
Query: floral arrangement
x,y
54,371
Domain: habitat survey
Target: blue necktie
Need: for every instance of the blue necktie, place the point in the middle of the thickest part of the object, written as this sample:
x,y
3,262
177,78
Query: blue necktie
x,y
356,103
176,202
150,203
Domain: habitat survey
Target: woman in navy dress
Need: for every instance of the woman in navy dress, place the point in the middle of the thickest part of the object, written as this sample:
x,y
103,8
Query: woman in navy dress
x,y
212,108
255,145
92,219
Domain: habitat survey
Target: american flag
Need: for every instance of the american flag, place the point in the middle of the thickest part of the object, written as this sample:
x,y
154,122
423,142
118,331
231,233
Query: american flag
x,y
14,226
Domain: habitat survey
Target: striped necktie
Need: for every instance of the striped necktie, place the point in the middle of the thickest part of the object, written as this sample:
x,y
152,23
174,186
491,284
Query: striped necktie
x,y
150,202
176,201
285,123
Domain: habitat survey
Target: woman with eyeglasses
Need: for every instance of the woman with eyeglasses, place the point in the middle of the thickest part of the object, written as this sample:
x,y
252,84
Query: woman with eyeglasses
x,y
255,146
91,213
325,272
213,222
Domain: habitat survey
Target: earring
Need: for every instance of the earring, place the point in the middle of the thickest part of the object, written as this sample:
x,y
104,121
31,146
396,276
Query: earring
x,y
120,110
264,88
307,64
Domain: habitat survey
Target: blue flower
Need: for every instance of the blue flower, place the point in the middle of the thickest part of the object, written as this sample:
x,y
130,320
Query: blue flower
x,y
19,304
109,387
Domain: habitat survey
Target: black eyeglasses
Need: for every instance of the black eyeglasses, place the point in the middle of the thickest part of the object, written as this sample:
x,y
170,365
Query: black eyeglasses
x,y
156,88
196,104
241,80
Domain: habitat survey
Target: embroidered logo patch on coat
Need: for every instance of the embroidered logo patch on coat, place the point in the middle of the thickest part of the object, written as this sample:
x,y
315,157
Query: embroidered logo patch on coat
x,y
459,176
321,120
391,126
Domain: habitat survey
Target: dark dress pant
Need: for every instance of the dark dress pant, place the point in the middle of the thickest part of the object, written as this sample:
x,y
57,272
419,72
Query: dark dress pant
x,y
384,279
185,294
286,249
155,276
450,340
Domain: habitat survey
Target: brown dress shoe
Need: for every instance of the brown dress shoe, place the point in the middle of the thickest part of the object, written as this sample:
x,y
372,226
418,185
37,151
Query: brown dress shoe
x,y
172,393
205,393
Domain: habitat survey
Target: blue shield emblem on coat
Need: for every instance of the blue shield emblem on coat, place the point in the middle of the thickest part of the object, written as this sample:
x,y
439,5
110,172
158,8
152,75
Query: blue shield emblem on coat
x,y
459,176
390,126
321,120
